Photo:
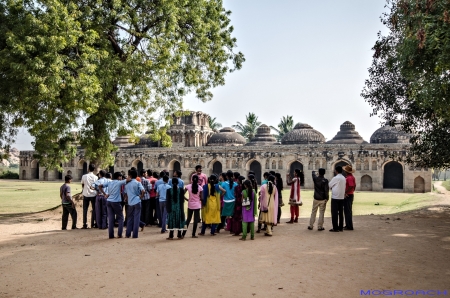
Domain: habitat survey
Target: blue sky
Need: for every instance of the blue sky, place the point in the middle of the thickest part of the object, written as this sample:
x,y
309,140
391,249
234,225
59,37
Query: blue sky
x,y
307,59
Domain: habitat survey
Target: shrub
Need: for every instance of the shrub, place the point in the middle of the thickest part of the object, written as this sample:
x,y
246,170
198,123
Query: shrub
x,y
9,175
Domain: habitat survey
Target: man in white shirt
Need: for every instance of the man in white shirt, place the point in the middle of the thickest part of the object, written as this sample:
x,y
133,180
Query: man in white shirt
x,y
89,194
337,186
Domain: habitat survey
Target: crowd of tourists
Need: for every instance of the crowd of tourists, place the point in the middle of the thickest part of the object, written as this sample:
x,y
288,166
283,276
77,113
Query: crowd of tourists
x,y
226,202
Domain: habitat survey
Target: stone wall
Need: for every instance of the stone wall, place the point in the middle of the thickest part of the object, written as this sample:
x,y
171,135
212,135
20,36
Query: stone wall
x,y
369,160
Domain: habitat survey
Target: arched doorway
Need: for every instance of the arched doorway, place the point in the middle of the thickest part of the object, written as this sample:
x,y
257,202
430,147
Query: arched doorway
x,y
24,175
177,166
419,185
295,165
341,163
34,169
60,174
256,168
45,175
366,183
217,168
393,175
82,168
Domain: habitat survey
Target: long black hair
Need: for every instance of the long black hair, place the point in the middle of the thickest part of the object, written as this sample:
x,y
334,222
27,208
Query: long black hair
x,y
212,183
249,187
253,181
224,176
175,189
279,182
230,178
241,179
270,184
195,184
300,176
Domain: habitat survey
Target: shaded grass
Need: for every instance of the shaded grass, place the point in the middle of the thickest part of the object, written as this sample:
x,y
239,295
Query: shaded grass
x,y
20,196
446,184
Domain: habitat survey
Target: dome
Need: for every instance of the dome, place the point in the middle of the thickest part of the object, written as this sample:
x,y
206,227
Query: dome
x,y
262,137
303,134
347,135
226,137
123,141
390,134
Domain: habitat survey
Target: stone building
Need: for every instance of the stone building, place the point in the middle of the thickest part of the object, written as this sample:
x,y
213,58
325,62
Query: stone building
x,y
304,147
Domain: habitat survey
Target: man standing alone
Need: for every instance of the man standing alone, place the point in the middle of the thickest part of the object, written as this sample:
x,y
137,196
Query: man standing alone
x,y
337,185
321,196
89,194
350,186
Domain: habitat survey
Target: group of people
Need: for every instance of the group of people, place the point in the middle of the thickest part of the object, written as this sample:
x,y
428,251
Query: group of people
x,y
228,201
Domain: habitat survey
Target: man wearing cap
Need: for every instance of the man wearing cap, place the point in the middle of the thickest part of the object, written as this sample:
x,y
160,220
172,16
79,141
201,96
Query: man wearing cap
x,y
350,185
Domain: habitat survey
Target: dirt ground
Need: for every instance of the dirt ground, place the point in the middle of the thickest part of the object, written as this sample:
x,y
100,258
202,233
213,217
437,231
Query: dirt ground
x,y
405,251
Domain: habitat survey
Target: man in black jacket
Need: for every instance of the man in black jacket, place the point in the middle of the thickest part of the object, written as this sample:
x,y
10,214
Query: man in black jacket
x,y
321,196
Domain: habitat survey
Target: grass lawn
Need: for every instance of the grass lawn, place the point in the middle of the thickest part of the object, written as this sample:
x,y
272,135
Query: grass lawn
x,y
18,196
446,184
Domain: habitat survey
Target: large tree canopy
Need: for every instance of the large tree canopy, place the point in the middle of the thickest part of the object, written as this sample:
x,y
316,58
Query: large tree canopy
x,y
410,76
106,67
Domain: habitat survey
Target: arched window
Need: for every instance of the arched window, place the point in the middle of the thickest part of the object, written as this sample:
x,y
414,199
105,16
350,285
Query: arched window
x,y
419,185
256,168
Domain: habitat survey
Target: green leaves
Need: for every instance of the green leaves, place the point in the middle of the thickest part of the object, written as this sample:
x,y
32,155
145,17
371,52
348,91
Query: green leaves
x,y
101,67
249,129
409,76
286,125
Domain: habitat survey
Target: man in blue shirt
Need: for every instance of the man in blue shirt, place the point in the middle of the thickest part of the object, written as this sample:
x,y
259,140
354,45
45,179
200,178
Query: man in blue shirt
x,y
113,202
134,192
162,192
177,174
100,202
158,183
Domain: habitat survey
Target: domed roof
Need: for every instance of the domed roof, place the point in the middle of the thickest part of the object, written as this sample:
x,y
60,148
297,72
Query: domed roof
x,y
262,137
123,142
347,135
390,134
303,134
226,137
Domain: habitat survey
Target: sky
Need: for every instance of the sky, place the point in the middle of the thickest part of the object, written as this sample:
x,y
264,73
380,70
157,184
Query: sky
x,y
307,59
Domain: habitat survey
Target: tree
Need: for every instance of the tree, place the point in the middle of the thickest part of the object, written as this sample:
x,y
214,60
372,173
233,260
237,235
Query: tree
x,y
286,125
409,79
248,130
106,68
213,124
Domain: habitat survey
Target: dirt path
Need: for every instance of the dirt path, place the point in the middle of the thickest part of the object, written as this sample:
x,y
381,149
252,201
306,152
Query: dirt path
x,y
408,251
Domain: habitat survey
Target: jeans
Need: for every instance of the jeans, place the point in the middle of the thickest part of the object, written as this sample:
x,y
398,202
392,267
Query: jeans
x,y
158,212
163,213
145,212
213,228
348,212
133,223
337,208
153,211
114,211
86,201
68,209
196,213
101,212
321,205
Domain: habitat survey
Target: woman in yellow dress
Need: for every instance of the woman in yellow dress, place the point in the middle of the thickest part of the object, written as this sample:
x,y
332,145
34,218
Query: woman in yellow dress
x,y
211,205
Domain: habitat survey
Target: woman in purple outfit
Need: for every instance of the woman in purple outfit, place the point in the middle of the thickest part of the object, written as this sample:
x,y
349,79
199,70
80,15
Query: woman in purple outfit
x,y
248,210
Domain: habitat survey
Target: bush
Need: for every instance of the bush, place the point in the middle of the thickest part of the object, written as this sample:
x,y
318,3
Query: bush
x,y
9,175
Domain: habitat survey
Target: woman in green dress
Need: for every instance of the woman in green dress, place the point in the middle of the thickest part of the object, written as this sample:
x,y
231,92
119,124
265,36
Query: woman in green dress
x,y
175,210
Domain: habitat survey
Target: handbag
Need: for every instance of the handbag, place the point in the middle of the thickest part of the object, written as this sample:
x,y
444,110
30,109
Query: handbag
x,y
246,202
